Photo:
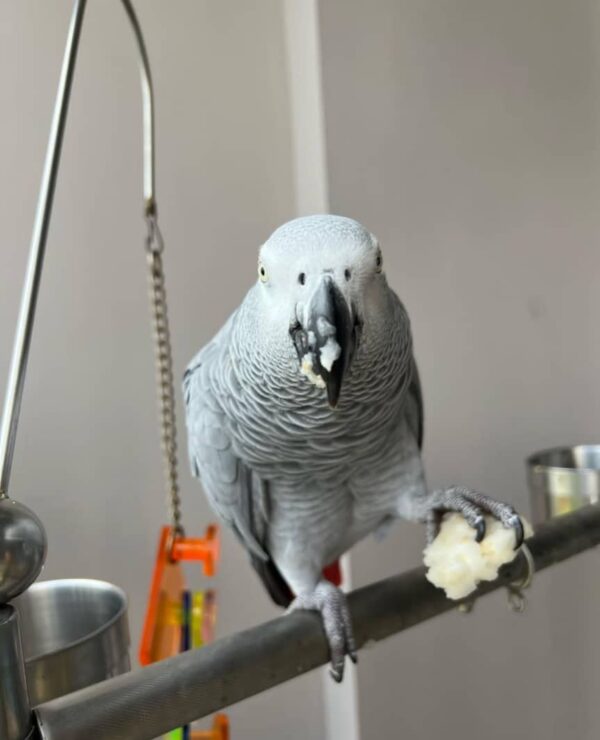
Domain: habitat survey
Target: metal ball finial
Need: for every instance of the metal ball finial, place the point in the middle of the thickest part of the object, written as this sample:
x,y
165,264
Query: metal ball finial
x,y
22,548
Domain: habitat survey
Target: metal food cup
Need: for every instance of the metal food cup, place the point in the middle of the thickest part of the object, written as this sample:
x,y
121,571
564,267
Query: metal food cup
x,y
74,634
563,479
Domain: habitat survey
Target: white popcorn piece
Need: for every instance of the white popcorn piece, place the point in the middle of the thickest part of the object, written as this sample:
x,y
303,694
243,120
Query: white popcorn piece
x,y
330,353
456,563
307,369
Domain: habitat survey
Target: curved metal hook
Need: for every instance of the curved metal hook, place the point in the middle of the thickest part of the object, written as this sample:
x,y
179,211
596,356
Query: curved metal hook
x,y
148,111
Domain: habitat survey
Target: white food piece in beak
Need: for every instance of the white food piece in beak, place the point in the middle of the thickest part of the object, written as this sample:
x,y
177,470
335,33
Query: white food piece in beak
x,y
307,369
456,563
330,353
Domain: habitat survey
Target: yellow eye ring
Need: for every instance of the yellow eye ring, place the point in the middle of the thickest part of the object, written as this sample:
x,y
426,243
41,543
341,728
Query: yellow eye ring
x,y
262,273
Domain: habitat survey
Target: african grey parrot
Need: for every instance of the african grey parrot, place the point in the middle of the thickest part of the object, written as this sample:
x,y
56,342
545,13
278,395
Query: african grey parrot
x,y
305,418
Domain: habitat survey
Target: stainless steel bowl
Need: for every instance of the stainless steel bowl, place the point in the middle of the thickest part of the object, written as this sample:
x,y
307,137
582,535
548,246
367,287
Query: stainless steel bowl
x,y
563,479
74,633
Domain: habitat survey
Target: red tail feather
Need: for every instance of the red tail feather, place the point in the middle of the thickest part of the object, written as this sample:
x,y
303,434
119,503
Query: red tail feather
x,y
333,573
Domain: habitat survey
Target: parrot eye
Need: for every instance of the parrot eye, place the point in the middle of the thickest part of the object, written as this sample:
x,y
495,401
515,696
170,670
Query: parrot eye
x,y
347,274
262,273
379,262
302,278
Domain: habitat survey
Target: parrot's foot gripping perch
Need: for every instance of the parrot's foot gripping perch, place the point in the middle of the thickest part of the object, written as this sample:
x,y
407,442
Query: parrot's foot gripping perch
x,y
473,506
331,603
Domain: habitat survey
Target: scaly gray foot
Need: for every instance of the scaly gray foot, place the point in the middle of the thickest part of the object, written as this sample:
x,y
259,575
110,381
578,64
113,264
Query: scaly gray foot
x,y
473,506
331,603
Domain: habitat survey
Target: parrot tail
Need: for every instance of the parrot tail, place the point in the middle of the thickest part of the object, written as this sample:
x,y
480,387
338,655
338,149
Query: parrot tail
x,y
276,585
273,581
333,573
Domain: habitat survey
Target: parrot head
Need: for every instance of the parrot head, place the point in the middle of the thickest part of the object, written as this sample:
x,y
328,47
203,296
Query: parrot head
x,y
322,277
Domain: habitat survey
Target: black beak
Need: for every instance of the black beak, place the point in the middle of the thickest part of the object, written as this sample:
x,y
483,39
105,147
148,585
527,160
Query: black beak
x,y
327,337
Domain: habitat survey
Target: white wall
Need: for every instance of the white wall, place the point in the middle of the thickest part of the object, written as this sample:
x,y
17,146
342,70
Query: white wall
x,y
465,135
87,458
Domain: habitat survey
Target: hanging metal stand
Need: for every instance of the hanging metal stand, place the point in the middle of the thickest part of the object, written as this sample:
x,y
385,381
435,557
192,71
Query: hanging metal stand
x,y
19,572
22,536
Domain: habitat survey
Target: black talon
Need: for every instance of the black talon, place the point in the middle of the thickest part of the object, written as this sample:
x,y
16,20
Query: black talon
x,y
336,675
480,529
331,603
519,532
353,656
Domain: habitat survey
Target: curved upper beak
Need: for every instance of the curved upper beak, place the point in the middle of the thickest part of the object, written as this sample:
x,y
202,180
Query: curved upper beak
x,y
326,337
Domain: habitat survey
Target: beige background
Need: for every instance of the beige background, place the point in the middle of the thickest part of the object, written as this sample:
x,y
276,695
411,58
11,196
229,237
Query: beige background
x,y
465,135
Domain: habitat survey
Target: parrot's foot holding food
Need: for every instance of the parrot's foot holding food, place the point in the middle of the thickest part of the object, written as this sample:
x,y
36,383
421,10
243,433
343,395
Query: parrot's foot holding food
x,y
331,603
473,506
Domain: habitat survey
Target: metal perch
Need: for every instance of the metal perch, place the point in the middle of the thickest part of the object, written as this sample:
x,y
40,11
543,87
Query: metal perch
x,y
151,701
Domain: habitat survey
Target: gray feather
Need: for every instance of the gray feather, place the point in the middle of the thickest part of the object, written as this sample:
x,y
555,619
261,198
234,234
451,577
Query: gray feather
x,y
228,482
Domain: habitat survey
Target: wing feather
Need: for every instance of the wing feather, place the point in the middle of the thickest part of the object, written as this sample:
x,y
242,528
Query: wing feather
x,y
414,409
228,483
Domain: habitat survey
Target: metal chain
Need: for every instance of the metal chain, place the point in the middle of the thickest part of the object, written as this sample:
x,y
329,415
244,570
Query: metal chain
x,y
164,367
